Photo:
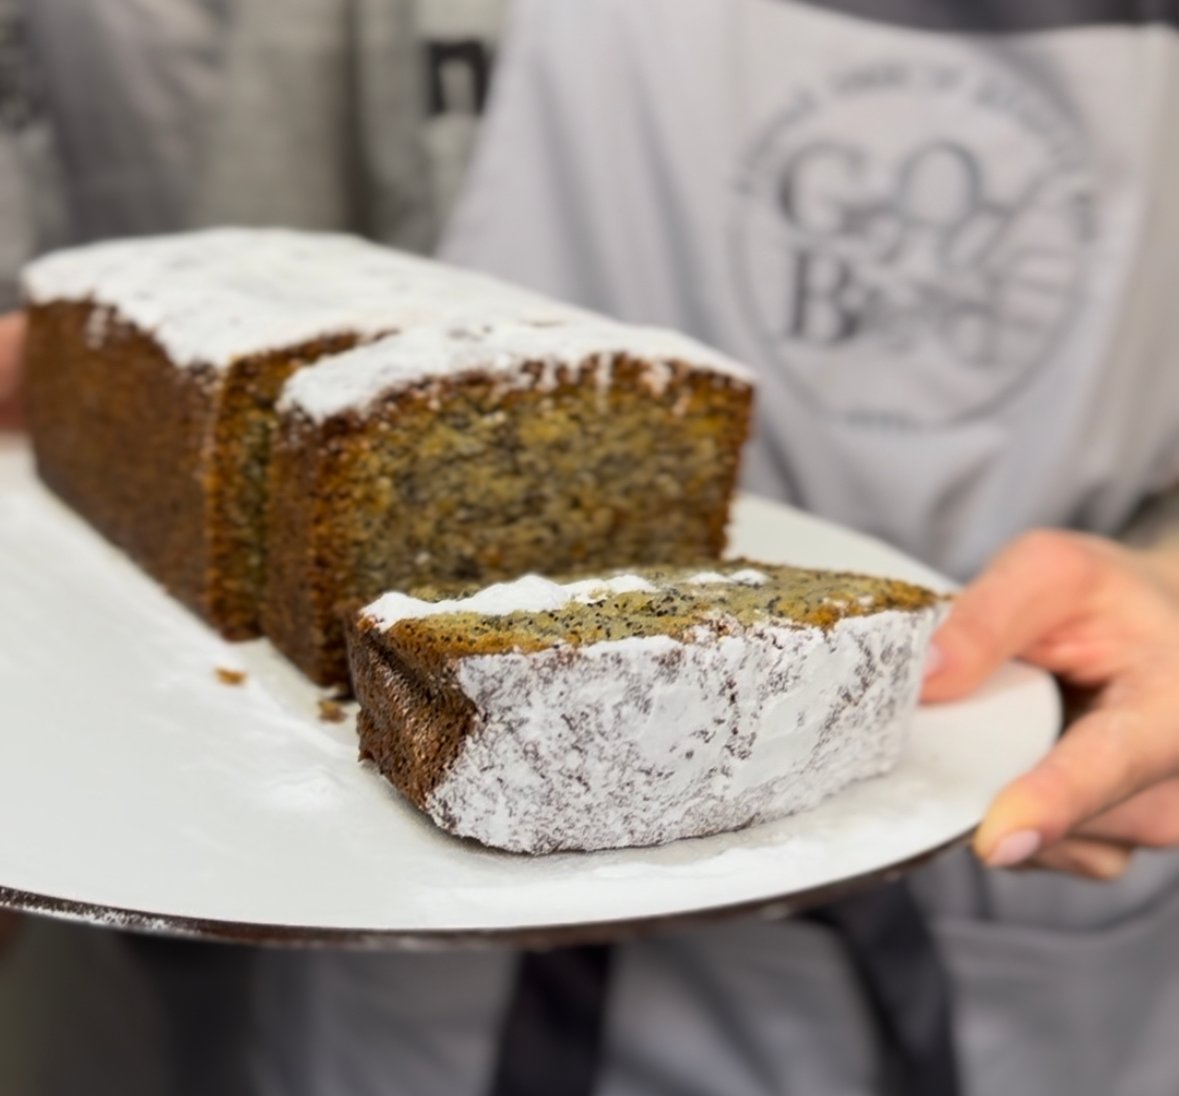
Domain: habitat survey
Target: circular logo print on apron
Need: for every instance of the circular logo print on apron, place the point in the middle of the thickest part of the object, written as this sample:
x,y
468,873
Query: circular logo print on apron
x,y
910,241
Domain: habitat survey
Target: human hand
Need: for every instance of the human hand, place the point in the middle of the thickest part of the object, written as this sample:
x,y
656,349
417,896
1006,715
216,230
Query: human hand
x,y
12,342
12,348
1105,619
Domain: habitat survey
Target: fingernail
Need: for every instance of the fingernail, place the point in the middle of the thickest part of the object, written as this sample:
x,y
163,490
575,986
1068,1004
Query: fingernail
x,y
935,659
1015,848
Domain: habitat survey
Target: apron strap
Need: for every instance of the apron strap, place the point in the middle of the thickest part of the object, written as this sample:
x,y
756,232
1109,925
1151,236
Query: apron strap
x,y
552,1036
202,995
906,985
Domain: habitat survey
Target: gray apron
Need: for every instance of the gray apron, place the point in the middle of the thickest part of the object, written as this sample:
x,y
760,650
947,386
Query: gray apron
x,y
949,257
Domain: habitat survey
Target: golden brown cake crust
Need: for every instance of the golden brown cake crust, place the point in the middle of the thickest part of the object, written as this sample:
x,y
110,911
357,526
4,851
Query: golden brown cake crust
x,y
119,433
167,462
239,457
413,716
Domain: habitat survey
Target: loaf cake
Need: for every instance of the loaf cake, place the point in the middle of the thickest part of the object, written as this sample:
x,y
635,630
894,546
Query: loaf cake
x,y
154,364
641,707
482,450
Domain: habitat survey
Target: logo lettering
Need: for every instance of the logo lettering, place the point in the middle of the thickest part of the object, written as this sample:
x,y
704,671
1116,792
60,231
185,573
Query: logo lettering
x,y
907,265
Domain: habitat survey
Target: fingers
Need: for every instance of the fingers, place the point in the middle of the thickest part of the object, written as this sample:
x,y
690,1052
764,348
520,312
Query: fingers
x,y
1104,759
1031,590
1103,620
1149,819
1091,859
12,338
1163,561
11,416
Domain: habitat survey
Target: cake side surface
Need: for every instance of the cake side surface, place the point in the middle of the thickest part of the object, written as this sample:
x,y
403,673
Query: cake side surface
x,y
122,436
296,612
168,464
414,715
242,435
741,711
234,313
470,479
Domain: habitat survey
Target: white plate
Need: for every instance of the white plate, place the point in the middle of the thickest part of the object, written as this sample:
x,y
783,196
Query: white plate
x,y
135,788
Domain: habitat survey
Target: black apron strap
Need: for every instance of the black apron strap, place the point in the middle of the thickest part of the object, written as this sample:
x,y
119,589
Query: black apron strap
x,y
553,1032
202,994
906,985
552,1036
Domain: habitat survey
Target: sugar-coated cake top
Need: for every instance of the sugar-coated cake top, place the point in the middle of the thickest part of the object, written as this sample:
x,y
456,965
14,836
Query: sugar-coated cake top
x,y
502,348
532,613
530,594
213,296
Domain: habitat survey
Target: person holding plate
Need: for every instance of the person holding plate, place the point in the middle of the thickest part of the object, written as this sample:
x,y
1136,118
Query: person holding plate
x,y
945,234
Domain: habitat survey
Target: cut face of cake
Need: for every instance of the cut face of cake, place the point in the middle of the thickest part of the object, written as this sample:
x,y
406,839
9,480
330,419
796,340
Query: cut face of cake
x,y
154,364
486,449
638,708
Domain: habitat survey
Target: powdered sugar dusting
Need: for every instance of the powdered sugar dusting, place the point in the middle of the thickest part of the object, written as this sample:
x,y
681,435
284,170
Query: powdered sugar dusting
x,y
644,741
534,594
748,576
530,594
510,349
212,297
219,295
96,328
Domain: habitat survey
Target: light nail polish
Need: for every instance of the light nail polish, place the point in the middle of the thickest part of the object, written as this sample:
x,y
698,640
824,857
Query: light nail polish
x,y
935,659
1015,848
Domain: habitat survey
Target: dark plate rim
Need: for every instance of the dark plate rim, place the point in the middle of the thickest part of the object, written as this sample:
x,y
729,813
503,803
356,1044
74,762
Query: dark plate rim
x,y
530,937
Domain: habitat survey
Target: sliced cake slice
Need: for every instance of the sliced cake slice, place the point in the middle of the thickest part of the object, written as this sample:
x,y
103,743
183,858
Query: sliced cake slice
x,y
486,449
153,368
638,708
